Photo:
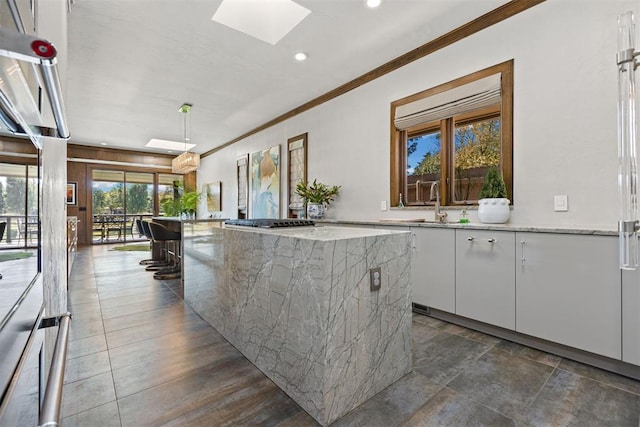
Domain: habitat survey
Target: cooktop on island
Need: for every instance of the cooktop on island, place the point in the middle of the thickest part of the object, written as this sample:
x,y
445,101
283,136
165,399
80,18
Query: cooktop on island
x,y
270,223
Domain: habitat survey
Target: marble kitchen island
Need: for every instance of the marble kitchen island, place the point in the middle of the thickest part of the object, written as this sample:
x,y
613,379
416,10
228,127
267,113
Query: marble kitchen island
x,y
297,302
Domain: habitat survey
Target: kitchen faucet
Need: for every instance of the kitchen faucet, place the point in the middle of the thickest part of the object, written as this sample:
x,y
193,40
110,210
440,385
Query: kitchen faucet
x,y
435,189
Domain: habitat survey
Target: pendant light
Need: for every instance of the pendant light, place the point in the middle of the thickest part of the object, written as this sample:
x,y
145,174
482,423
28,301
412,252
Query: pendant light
x,y
187,161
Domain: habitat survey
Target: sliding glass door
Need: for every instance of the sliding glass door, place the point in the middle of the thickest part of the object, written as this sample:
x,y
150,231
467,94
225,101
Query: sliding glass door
x,y
18,205
139,199
118,199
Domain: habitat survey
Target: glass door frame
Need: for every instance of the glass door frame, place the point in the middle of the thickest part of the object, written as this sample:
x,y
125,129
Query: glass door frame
x,y
124,169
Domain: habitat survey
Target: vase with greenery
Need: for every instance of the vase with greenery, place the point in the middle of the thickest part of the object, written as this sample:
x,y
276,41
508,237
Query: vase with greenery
x,y
317,197
493,206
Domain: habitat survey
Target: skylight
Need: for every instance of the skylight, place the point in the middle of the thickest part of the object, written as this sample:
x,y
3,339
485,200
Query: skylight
x,y
268,21
169,145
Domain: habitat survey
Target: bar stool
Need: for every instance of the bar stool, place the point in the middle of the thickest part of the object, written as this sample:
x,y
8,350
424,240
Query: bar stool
x,y
172,239
147,234
153,264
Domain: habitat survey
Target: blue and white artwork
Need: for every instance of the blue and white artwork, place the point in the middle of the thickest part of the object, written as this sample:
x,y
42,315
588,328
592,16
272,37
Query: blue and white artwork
x,y
265,183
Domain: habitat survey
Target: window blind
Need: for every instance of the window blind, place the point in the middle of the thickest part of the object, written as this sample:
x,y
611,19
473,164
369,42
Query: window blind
x,y
471,96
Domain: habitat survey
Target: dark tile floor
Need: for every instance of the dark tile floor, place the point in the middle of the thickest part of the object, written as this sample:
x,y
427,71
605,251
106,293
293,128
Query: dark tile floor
x,y
139,357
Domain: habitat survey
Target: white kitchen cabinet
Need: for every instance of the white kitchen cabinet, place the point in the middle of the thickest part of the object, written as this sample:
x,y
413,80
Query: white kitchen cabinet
x,y
485,276
568,290
631,316
433,268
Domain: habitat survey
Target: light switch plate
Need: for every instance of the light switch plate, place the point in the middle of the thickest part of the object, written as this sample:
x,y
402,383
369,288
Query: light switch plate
x,y
560,203
383,205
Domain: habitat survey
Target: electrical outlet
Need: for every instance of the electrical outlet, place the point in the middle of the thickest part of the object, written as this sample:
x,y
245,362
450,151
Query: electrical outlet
x,y
375,279
560,203
383,205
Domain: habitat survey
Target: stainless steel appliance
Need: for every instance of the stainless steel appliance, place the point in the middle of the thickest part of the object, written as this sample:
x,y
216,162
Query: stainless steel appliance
x,y
270,223
31,107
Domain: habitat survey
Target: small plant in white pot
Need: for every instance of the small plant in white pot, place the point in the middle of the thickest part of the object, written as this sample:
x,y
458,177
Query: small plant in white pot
x,y
493,206
317,196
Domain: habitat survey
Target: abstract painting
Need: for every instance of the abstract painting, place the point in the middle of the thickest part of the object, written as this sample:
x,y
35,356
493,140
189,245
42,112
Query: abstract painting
x,y
265,183
214,193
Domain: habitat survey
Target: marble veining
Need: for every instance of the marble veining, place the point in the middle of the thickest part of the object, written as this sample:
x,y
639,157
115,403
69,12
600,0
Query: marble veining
x,y
297,303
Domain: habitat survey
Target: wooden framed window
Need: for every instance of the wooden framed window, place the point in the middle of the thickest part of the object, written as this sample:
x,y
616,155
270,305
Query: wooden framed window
x,y
297,161
450,135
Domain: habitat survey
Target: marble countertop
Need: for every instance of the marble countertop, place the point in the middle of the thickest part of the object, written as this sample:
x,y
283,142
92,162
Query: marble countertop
x,y
321,233
595,230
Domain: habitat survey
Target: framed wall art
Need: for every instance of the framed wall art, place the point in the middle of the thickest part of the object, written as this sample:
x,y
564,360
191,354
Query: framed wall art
x,y
297,161
213,190
242,174
72,192
265,183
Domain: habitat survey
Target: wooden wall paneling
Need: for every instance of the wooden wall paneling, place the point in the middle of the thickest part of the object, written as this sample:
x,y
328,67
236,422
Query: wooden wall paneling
x,y
77,172
16,145
114,155
190,183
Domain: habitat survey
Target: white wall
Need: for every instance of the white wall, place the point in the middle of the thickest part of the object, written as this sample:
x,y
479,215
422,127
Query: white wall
x,y
564,120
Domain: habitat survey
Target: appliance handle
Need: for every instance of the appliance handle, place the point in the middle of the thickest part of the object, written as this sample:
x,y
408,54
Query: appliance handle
x,y
52,401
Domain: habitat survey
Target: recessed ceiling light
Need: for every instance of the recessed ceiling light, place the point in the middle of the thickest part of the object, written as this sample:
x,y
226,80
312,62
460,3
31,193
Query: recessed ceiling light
x,y
268,21
301,56
169,145
103,143
373,3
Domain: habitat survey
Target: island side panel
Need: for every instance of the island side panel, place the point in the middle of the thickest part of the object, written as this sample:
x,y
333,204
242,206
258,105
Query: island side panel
x,y
369,332
273,309
295,306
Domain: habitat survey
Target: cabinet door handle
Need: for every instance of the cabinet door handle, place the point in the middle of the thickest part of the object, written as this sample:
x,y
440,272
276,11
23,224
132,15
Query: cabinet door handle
x,y
489,240
522,259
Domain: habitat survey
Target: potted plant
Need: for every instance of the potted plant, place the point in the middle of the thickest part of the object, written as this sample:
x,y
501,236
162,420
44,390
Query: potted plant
x,y
317,196
189,203
493,206
186,204
170,206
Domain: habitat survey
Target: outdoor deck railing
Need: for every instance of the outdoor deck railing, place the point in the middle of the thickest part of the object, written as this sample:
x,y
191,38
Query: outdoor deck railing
x,y
116,227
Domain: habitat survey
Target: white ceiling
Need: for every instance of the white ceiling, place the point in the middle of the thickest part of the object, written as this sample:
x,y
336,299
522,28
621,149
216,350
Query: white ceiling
x,y
132,63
